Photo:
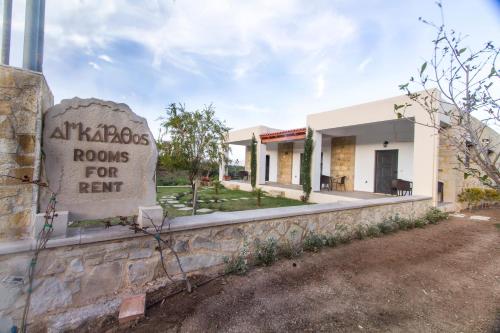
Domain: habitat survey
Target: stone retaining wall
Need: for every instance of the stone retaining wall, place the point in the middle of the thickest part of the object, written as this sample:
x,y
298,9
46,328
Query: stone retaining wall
x,y
86,276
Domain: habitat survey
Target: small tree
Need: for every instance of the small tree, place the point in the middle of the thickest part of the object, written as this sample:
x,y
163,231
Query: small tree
x,y
253,162
463,79
198,140
306,166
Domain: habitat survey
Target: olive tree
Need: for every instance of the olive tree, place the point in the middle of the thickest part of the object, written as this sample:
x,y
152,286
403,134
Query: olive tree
x,y
197,140
460,84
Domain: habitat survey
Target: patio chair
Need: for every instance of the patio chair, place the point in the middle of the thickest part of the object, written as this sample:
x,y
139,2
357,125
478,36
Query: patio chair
x,y
326,180
339,182
401,187
243,175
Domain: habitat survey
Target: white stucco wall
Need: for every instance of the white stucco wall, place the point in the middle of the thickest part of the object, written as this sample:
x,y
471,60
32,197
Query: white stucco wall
x,y
327,154
364,168
272,151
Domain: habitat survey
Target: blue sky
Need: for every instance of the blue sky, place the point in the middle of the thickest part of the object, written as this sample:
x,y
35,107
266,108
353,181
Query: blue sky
x,y
265,62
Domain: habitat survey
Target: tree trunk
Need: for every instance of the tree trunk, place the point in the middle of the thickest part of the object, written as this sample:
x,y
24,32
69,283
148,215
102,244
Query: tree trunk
x,y
195,196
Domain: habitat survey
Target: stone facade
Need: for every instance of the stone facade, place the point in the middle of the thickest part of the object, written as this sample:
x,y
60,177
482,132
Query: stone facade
x,y
75,283
285,160
343,159
24,95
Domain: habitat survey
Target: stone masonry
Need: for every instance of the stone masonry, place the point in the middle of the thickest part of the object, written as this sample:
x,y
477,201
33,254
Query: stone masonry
x,y
87,280
343,158
285,159
24,95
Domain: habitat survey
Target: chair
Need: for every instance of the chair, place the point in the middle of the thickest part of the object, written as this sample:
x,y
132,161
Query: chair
x,y
326,180
340,182
243,175
401,187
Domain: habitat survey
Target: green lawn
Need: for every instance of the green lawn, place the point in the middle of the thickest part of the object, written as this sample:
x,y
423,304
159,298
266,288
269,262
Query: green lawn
x,y
183,195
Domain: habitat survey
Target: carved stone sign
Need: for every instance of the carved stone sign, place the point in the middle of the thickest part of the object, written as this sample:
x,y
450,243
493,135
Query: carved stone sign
x,y
99,159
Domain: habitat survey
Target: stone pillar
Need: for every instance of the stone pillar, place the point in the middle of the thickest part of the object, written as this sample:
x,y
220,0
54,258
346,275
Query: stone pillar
x,y
425,157
261,163
24,95
316,161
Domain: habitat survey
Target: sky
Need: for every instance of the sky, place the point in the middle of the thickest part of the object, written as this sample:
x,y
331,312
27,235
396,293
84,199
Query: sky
x,y
268,62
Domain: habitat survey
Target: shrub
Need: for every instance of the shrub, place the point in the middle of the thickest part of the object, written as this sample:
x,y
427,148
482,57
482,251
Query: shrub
x,y
239,264
434,216
472,196
332,240
491,196
217,186
388,226
266,253
372,231
259,193
360,231
420,223
291,248
313,242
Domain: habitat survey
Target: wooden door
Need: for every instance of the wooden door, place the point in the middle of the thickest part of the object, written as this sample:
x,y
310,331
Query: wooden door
x,y
386,169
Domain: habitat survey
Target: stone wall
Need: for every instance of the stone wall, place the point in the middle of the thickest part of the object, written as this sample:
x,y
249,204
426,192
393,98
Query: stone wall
x,y
24,95
87,275
343,159
285,160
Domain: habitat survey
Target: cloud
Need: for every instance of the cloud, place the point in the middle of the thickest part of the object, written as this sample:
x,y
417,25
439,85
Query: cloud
x,y
106,58
320,86
94,66
185,34
361,67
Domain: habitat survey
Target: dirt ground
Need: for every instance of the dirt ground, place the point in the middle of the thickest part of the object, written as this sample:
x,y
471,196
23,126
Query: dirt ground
x,y
443,278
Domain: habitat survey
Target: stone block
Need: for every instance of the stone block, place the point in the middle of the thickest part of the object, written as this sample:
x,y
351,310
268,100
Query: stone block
x,y
59,224
26,143
141,272
5,108
49,295
132,308
140,253
149,215
101,280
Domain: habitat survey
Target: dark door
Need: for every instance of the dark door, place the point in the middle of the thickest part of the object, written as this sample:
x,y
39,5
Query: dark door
x,y
267,167
386,169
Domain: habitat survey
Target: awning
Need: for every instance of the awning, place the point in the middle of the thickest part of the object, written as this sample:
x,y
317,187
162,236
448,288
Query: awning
x,y
281,136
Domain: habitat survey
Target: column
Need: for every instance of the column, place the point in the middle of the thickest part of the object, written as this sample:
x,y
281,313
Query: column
x,y
261,163
316,161
425,157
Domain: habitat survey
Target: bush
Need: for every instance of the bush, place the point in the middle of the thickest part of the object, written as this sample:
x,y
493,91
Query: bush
x,y
472,196
420,223
491,196
313,242
259,193
387,226
239,264
372,231
291,248
217,186
360,232
266,253
434,216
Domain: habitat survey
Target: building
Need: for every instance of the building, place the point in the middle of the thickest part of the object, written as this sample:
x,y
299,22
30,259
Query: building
x,y
366,145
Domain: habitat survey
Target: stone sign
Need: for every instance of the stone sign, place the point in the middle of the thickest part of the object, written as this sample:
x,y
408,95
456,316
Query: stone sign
x,y
99,158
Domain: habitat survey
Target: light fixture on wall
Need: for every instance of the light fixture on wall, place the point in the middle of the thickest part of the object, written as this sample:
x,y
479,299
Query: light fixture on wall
x,y
386,143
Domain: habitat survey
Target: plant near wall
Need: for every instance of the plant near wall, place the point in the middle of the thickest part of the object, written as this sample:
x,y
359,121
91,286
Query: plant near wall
x,y
198,140
253,162
457,84
259,193
472,196
306,167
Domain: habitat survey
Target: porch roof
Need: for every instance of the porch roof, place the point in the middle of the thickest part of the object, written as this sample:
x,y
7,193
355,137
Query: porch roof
x,y
280,136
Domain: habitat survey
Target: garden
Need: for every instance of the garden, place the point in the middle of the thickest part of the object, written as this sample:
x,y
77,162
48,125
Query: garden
x,y
177,200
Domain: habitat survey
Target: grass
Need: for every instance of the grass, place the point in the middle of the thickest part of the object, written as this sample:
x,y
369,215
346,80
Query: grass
x,y
208,193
